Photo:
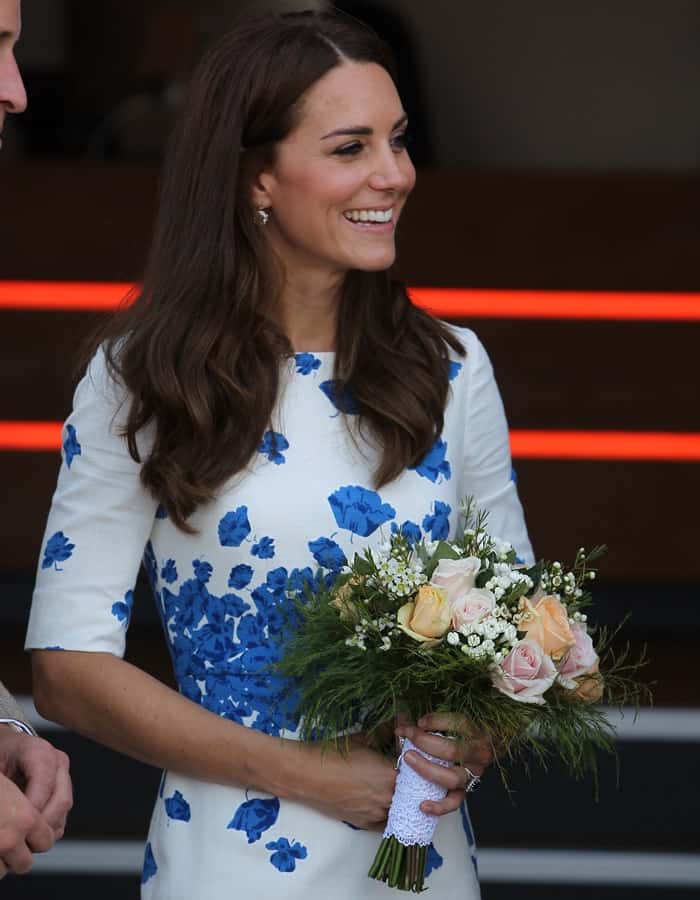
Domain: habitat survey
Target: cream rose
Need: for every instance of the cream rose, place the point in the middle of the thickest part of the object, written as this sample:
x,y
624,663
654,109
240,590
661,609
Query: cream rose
x,y
526,673
456,576
472,607
428,617
547,623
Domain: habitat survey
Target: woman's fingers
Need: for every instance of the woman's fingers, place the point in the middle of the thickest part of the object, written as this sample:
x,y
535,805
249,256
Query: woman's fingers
x,y
453,724
453,800
474,753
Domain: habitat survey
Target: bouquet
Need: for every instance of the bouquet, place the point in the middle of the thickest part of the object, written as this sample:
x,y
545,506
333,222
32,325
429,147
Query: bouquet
x,y
462,626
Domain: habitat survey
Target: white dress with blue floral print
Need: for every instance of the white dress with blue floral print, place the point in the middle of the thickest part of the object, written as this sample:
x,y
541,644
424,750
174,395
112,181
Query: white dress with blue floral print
x,y
305,501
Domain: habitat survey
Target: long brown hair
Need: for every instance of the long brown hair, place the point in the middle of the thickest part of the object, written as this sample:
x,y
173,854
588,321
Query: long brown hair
x,y
195,351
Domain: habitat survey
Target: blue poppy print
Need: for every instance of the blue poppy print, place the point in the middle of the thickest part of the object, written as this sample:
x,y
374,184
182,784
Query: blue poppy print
x,y
202,570
71,447
340,397
467,825
455,369
169,571
409,530
327,554
439,523
58,549
178,808
149,864
272,446
433,860
240,576
54,647
306,363
255,816
513,476
161,512
121,610
359,510
285,855
264,548
434,463
234,527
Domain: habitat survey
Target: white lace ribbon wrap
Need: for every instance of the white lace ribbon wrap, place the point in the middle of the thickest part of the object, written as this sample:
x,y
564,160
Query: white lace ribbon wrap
x,y
406,822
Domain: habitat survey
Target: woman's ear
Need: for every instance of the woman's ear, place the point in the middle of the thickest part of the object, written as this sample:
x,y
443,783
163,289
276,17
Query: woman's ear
x,y
262,190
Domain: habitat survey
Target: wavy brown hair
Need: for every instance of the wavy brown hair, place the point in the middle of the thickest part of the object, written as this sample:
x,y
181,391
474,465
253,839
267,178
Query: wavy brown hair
x,y
195,350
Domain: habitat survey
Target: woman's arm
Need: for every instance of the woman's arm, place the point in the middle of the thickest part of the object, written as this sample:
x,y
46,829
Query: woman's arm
x,y
117,704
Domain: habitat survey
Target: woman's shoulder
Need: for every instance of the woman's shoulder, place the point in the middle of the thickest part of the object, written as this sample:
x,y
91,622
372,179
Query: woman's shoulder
x,y
474,363
466,337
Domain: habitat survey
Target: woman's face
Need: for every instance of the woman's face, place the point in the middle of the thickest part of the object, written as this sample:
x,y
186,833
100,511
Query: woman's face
x,y
342,175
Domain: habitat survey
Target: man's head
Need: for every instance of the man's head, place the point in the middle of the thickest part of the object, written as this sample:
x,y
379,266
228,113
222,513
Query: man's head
x,y
13,98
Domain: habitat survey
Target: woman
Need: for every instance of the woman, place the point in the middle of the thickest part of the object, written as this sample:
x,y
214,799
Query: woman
x,y
271,402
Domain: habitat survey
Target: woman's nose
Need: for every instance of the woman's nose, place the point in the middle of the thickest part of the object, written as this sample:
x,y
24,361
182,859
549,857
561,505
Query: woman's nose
x,y
394,171
12,93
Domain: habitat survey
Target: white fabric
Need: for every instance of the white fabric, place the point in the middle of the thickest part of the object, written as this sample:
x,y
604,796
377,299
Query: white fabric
x,y
306,497
406,821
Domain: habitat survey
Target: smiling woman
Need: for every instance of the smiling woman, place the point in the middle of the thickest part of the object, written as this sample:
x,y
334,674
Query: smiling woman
x,y
336,191
271,403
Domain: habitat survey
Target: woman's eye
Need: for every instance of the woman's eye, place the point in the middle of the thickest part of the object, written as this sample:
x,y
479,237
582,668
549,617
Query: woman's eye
x,y
401,141
348,149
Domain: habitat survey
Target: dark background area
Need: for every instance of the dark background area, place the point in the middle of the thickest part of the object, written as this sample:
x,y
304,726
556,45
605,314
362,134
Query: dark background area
x,y
558,147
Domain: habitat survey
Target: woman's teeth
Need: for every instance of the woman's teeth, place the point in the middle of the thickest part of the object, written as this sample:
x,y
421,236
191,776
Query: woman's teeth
x,y
369,215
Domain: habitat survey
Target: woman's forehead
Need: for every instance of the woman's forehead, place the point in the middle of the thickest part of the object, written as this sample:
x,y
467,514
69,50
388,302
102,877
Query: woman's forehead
x,y
351,95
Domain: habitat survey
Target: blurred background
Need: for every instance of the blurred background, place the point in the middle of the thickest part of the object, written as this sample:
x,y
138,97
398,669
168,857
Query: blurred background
x,y
558,148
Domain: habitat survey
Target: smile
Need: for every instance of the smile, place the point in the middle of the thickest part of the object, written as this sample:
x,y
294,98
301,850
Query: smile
x,y
380,216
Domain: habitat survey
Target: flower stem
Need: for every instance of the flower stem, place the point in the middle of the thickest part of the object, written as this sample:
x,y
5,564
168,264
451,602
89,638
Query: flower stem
x,y
399,853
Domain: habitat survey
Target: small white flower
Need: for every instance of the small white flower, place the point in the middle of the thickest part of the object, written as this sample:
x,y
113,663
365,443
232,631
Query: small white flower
x,y
453,638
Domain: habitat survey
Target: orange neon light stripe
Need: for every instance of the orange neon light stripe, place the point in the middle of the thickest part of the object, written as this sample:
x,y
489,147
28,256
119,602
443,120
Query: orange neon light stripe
x,y
542,444
24,436
448,302
62,295
499,304
623,445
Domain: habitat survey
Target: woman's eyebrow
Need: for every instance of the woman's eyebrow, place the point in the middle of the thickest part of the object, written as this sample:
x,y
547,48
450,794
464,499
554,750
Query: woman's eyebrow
x,y
361,129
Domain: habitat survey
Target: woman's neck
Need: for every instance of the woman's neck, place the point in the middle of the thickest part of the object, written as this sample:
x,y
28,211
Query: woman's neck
x,y
308,311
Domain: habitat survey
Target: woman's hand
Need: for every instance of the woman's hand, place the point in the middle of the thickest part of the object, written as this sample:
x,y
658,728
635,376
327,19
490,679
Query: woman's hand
x,y
473,750
355,787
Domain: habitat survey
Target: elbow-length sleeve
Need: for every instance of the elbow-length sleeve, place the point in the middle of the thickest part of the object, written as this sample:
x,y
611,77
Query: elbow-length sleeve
x,y
487,473
100,519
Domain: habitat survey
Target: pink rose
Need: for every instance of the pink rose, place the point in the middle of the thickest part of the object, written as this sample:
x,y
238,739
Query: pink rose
x,y
456,576
472,607
526,673
580,659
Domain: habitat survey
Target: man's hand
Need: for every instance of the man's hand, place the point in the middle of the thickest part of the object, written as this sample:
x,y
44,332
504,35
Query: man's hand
x,y
22,830
40,771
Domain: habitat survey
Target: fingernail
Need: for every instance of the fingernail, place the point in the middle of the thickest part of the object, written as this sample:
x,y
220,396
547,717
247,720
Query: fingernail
x,y
421,722
411,757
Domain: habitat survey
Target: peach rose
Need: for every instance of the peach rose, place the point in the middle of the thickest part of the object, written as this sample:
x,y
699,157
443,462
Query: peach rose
x,y
590,685
428,617
526,673
472,607
456,576
547,623
342,602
